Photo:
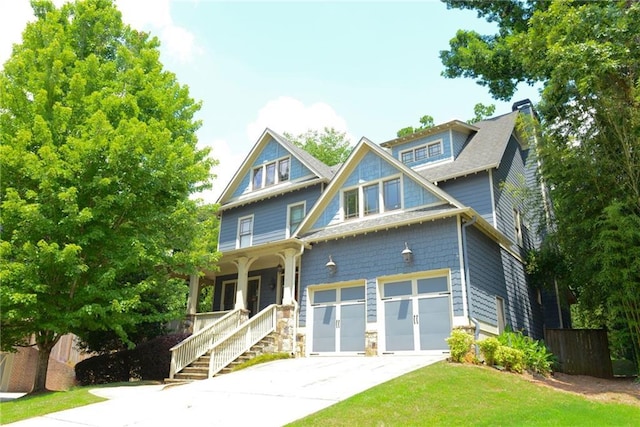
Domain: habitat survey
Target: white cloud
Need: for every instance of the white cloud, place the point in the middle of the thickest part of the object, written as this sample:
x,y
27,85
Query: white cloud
x,y
155,15
286,114
14,16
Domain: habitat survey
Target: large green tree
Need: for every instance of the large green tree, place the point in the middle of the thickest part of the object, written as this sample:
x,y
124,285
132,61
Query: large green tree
x,y
329,146
98,161
586,56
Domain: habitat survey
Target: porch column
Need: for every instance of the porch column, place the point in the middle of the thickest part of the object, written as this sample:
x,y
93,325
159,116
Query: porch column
x,y
194,291
243,280
288,291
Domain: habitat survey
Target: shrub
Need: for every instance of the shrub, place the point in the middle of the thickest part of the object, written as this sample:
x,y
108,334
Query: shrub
x,y
460,344
148,361
537,357
511,359
488,347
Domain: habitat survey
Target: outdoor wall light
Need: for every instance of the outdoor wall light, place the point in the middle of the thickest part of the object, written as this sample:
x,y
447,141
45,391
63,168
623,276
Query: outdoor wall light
x,y
331,266
407,255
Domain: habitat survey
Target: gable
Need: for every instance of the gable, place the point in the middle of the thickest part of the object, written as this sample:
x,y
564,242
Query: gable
x,y
372,174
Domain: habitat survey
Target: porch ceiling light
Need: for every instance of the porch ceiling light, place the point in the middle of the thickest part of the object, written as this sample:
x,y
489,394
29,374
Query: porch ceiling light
x,y
407,255
331,266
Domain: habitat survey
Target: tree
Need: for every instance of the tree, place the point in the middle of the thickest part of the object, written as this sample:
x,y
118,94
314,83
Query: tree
x,y
587,57
330,146
425,121
98,160
482,112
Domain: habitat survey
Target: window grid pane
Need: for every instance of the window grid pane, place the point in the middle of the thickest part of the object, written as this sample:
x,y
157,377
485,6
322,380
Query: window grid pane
x,y
392,194
351,203
257,178
270,178
435,149
421,153
371,202
283,170
296,213
407,157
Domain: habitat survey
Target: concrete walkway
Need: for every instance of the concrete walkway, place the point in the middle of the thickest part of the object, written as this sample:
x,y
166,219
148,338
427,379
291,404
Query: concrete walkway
x,y
271,394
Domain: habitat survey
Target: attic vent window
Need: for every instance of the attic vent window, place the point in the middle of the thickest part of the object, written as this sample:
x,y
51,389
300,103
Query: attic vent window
x,y
270,173
372,198
422,152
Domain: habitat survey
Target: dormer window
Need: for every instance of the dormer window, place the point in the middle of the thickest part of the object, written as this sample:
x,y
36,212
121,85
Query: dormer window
x,y
371,198
271,173
423,152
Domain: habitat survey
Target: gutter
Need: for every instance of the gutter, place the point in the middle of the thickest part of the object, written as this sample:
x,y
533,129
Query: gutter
x,y
472,319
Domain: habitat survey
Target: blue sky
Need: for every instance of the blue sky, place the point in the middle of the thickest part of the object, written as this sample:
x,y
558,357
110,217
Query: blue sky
x,y
365,68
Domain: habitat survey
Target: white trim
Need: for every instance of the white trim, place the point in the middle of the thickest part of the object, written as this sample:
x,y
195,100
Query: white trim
x,y
222,292
493,200
463,279
426,146
263,172
288,232
238,236
381,201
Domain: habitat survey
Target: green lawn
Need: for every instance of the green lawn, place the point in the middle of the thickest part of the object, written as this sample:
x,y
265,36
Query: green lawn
x,y
453,394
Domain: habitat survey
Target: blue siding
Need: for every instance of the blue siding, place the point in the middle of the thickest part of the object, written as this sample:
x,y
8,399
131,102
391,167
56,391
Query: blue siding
x,y
511,170
416,195
370,168
366,257
270,218
272,151
494,272
447,149
458,141
473,191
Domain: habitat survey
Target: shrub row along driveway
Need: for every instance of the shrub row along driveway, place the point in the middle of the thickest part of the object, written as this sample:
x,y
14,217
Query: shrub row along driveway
x,y
271,394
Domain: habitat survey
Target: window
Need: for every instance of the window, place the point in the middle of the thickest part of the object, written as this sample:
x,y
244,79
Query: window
x,y
245,231
270,173
295,215
435,149
392,194
351,204
517,220
372,198
371,201
423,152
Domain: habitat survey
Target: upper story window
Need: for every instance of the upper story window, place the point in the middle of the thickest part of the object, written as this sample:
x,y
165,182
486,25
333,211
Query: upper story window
x,y
270,173
422,152
295,215
245,231
372,198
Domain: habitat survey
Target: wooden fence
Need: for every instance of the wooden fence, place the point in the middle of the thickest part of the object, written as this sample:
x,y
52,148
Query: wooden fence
x,y
580,351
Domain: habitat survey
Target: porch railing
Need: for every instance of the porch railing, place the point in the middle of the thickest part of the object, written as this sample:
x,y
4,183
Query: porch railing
x,y
202,320
201,342
227,349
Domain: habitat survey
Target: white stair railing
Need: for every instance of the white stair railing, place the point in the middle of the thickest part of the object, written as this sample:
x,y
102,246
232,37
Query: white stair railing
x,y
227,349
189,350
202,320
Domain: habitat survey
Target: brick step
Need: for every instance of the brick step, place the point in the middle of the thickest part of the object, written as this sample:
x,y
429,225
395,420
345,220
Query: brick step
x,y
191,376
195,370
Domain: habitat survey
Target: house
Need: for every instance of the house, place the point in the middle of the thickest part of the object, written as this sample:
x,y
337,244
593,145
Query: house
x,y
388,252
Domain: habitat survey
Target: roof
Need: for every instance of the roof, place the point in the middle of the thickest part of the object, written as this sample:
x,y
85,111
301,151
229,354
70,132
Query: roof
x,y
483,150
323,172
382,222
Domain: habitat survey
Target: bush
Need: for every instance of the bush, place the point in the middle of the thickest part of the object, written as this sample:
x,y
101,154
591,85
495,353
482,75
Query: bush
x,y
511,359
460,344
488,348
148,361
537,357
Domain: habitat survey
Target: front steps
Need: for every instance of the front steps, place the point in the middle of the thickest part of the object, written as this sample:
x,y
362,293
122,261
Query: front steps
x,y
199,369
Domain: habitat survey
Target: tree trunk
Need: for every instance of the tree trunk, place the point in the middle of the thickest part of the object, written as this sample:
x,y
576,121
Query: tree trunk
x,y
45,342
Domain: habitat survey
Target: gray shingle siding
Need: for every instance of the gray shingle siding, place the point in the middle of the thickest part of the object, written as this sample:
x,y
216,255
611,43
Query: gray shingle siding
x,y
458,141
270,217
511,171
367,257
494,272
473,191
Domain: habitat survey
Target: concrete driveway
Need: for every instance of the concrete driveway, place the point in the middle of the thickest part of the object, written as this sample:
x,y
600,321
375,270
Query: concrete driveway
x,y
271,394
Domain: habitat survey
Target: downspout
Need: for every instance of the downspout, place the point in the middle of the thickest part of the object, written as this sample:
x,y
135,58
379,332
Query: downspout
x,y
472,319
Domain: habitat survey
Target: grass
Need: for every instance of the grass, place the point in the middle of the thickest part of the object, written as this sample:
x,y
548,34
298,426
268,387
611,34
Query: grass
x,y
452,394
35,405
262,358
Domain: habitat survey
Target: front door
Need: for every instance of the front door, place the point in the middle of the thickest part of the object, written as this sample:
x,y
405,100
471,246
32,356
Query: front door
x,y
253,296
228,295
339,320
417,314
